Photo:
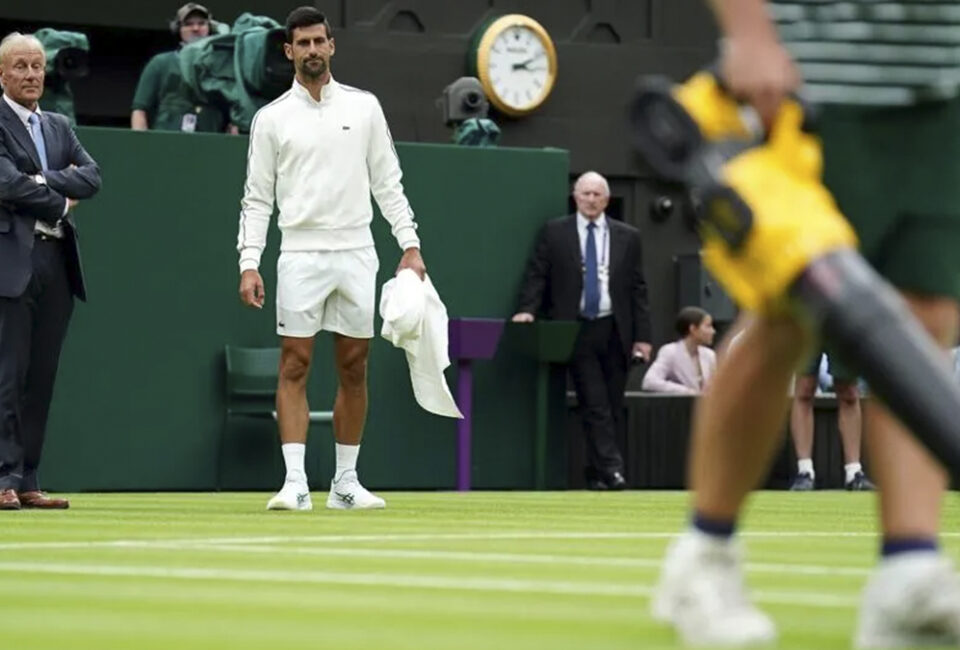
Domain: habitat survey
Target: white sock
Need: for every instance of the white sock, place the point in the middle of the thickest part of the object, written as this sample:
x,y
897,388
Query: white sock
x,y
805,466
293,453
346,459
851,470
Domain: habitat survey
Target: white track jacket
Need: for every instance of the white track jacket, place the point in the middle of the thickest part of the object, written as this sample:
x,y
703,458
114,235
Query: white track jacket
x,y
321,161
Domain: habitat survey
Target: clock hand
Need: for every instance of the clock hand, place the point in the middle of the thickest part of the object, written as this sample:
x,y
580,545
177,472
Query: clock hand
x,y
524,64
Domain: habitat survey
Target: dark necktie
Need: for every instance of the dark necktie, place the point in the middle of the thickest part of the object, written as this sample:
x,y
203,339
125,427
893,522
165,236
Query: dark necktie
x,y
591,278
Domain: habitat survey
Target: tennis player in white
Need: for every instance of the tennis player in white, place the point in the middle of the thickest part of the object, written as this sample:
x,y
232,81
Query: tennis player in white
x,y
320,150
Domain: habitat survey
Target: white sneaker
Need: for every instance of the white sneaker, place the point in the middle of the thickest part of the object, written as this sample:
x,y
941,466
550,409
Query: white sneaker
x,y
292,496
347,494
910,600
702,594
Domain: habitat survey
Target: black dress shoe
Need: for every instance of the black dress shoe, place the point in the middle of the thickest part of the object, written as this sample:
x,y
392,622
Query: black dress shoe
x,y
860,483
597,484
615,481
803,482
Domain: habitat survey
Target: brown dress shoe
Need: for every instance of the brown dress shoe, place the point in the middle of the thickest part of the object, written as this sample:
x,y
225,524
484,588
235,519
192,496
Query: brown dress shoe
x,y
9,500
37,499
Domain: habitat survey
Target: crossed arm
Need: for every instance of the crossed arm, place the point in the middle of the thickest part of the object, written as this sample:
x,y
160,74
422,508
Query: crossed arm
x,y
27,195
81,180
48,200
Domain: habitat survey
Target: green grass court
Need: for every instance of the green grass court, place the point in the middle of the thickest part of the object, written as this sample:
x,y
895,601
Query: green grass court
x,y
487,570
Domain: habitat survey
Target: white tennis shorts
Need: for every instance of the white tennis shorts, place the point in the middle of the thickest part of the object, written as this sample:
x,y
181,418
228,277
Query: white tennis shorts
x,y
327,290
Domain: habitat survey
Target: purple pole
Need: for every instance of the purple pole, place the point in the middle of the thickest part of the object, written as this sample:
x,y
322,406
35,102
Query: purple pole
x,y
464,433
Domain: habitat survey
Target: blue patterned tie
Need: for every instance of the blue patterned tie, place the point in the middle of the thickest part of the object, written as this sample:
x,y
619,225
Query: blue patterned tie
x,y
591,279
37,134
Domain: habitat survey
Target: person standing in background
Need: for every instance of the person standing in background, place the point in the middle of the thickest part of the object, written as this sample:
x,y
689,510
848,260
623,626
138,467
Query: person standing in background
x,y
326,274
589,268
44,172
162,101
848,422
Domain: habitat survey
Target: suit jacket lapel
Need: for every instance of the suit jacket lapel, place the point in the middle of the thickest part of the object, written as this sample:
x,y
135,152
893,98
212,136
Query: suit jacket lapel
x,y
571,245
618,246
19,132
572,239
50,141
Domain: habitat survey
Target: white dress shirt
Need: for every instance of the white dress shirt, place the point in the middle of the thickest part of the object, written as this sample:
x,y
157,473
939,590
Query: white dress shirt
x,y
601,236
24,114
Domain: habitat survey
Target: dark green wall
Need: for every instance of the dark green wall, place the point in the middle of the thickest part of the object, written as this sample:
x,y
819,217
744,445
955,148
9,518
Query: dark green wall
x,y
139,402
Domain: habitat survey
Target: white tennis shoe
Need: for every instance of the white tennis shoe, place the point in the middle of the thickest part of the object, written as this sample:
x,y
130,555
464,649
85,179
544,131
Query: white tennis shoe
x,y
702,594
346,493
292,496
912,599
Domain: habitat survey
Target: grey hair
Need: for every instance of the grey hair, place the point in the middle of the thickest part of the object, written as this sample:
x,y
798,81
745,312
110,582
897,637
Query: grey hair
x,y
13,39
593,176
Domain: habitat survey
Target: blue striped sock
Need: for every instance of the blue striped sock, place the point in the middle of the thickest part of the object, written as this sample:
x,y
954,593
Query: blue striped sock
x,y
897,545
722,528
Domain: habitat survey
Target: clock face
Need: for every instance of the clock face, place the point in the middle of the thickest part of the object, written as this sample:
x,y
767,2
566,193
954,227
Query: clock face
x,y
517,64
519,67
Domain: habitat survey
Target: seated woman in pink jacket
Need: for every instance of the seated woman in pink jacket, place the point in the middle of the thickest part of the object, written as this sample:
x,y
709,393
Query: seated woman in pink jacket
x,y
685,366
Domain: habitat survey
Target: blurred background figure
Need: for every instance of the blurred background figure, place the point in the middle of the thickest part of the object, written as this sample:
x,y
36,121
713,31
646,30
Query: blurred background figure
x,y
685,366
822,371
163,101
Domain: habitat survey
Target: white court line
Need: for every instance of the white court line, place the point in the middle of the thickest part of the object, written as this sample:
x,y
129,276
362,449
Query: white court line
x,y
468,556
388,537
429,537
809,599
523,534
515,558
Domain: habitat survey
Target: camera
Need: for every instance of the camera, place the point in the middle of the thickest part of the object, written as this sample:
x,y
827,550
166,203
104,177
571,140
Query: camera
x,y
71,63
661,208
462,100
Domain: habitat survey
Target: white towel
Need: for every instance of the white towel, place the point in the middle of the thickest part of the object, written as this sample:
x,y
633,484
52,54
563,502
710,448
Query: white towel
x,y
415,320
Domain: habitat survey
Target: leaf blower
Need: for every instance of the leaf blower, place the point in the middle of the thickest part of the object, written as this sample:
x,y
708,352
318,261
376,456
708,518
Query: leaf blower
x,y
775,240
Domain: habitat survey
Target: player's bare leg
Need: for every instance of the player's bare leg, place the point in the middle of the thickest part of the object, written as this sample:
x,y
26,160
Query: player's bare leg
x,y
914,596
293,418
736,432
737,423
801,430
850,423
349,417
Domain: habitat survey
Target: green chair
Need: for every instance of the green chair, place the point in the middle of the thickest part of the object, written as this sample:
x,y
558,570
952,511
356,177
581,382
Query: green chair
x,y
251,389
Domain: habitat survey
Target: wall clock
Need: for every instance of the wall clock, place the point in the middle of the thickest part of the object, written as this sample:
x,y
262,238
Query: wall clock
x,y
516,62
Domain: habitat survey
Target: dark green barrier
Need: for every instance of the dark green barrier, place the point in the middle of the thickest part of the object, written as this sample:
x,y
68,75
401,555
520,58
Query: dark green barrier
x,y
139,402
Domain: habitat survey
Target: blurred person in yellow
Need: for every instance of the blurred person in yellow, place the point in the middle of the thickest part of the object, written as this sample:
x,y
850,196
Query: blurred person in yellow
x,y
888,79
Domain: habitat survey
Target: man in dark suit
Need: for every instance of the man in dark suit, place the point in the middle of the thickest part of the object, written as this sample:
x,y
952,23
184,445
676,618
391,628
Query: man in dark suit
x,y
44,171
590,268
